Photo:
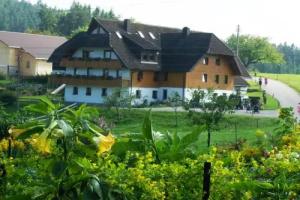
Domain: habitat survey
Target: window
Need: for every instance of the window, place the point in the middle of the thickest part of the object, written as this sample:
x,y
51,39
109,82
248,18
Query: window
x,y
85,54
154,94
117,73
141,34
28,64
145,57
107,54
226,79
205,61
98,30
218,61
166,76
104,92
140,76
75,71
88,72
75,90
152,35
88,91
138,94
165,94
105,73
217,78
204,78
119,34
156,76
152,57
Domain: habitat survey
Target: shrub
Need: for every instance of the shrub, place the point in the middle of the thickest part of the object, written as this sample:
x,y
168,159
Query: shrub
x,y
2,76
8,97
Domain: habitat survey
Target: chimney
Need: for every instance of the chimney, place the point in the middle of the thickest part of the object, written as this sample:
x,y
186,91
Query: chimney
x,y
186,31
127,25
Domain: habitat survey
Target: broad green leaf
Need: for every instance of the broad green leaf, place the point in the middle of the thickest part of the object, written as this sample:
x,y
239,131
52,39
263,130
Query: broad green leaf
x,y
58,168
29,132
67,129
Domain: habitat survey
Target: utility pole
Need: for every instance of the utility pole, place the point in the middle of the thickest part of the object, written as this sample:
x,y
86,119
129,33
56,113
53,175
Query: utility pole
x,y
238,40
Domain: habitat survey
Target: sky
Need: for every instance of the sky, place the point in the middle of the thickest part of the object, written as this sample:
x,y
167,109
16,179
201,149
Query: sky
x,y
276,19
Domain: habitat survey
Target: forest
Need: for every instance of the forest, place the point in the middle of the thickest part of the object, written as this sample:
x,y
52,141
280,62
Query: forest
x,y
21,16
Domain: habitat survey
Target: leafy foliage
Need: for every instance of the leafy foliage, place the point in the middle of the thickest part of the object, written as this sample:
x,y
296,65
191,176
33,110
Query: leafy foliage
x,y
253,50
212,109
22,16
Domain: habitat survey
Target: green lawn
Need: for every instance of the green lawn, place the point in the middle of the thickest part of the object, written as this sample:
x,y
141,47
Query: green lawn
x,y
165,121
293,80
255,91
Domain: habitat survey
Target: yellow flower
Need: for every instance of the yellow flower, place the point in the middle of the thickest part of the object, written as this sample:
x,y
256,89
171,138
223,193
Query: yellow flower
x,y
15,132
4,145
104,143
41,144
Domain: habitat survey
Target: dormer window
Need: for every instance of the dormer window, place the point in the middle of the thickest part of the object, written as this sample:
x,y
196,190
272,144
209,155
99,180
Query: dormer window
x,y
119,35
149,57
152,35
141,34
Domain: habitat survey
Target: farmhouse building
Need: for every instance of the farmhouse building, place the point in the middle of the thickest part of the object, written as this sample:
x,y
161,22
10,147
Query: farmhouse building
x,y
148,61
27,53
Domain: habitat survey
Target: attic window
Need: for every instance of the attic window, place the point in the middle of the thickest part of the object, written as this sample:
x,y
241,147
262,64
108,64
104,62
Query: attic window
x,y
152,35
98,30
218,61
119,34
141,34
205,61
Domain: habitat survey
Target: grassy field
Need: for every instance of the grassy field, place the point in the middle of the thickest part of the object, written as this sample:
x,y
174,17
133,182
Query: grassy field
x,y
165,122
293,80
256,91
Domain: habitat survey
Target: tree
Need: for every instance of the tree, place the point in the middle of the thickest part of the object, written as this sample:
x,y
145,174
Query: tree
x,y
212,109
120,98
254,49
175,101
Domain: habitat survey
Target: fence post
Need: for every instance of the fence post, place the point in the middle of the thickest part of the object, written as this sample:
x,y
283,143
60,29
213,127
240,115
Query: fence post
x,y
206,180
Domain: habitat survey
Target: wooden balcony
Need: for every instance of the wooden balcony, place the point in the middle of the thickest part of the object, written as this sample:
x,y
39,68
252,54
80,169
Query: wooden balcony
x,y
88,81
79,63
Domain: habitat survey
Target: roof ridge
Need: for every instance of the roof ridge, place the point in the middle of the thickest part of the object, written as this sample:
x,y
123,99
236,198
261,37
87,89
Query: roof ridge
x,y
34,34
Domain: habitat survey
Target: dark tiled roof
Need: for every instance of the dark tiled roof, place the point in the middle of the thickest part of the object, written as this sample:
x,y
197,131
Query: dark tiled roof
x,y
178,51
69,47
39,46
240,81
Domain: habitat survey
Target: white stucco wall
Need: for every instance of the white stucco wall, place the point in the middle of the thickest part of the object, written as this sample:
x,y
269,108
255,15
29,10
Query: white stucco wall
x,y
96,96
43,67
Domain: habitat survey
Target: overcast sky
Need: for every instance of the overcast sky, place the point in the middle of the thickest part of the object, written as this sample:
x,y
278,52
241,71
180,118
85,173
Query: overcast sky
x,y
279,20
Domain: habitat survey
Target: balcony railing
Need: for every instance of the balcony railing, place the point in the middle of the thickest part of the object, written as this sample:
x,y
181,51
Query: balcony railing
x,y
88,81
91,63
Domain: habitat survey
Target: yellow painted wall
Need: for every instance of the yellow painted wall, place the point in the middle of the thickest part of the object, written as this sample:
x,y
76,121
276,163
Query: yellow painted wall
x,y
24,69
4,54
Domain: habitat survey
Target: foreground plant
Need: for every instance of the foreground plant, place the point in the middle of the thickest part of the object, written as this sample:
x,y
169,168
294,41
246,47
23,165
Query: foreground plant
x,y
66,139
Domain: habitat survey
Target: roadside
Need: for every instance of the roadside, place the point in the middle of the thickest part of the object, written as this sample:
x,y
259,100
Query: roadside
x,y
287,96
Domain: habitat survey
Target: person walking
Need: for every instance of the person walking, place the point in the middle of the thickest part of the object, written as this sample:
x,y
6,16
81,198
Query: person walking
x,y
259,81
266,81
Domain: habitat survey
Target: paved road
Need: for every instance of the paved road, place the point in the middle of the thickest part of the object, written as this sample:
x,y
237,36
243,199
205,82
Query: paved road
x,y
287,96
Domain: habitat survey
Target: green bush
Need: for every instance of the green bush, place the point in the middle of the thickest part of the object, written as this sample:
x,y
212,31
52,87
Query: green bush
x,y
2,76
8,97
